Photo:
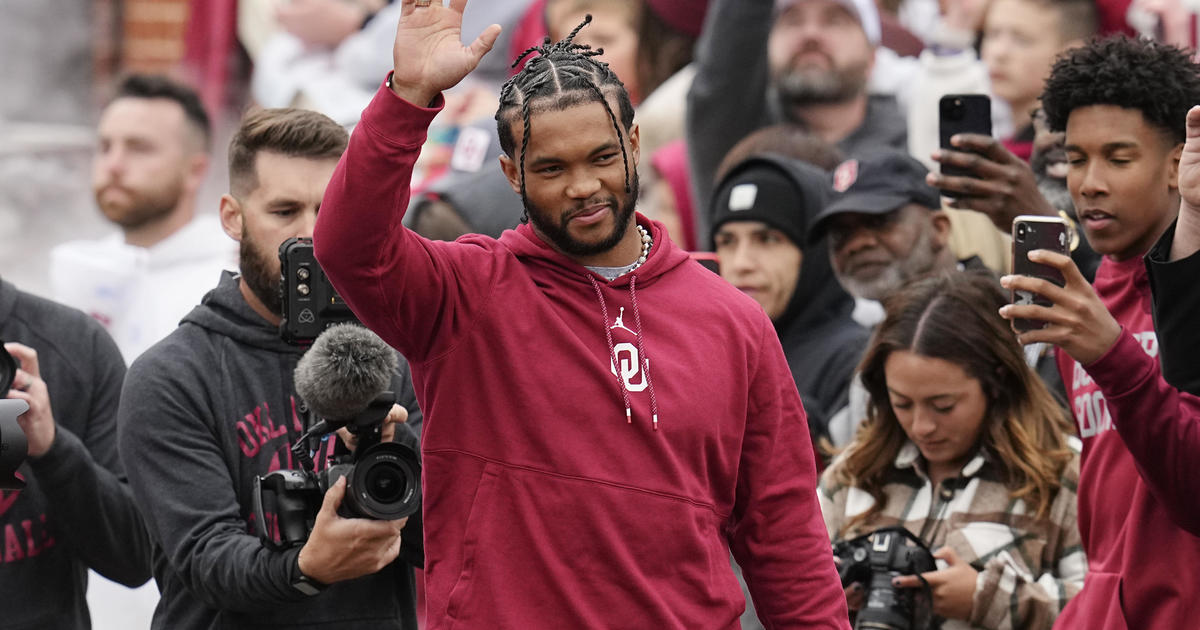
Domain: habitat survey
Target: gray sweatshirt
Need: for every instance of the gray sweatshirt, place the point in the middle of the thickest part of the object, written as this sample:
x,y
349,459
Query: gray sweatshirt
x,y
76,511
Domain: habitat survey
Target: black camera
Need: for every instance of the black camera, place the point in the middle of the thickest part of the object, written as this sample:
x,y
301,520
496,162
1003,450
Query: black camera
x,y
14,447
873,560
383,479
310,303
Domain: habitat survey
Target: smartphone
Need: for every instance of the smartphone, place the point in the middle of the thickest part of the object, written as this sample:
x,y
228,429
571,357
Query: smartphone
x,y
962,113
1031,232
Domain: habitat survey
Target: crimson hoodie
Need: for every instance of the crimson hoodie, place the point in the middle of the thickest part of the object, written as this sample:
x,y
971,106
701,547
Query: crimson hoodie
x,y
592,450
1138,486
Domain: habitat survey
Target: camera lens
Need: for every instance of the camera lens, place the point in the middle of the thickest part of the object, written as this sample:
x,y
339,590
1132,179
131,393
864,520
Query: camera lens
x,y
385,482
1022,232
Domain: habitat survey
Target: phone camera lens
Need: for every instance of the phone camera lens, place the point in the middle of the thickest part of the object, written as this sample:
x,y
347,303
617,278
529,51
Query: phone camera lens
x,y
1022,232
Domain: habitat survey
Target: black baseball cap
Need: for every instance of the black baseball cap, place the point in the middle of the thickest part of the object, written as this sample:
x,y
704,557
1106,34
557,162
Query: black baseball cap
x,y
876,184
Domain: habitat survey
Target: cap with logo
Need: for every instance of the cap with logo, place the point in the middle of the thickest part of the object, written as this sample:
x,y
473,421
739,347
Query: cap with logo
x,y
876,184
779,191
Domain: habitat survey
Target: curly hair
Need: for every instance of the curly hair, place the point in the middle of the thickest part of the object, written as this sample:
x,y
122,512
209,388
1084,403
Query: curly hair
x,y
1157,79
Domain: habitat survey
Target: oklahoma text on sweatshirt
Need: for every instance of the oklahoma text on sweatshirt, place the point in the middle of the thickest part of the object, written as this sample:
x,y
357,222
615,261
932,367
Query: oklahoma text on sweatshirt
x,y
76,511
1138,488
592,449
204,412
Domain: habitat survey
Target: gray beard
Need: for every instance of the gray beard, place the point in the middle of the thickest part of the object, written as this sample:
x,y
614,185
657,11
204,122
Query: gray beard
x,y
920,262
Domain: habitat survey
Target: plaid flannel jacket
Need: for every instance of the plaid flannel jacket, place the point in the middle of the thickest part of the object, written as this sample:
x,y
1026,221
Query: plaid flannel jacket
x,y
1028,568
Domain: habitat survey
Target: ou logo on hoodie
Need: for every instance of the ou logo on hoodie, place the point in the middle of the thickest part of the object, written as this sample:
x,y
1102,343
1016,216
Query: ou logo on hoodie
x,y
631,366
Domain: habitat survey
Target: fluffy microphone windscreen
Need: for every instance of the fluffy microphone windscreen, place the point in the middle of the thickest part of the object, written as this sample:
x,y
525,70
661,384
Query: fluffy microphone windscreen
x,y
344,370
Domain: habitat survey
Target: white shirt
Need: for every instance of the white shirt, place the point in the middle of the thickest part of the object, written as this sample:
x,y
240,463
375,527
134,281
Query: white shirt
x,y
140,294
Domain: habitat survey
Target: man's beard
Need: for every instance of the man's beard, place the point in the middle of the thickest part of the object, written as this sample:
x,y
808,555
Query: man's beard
x,y
920,262
260,270
143,207
560,236
820,86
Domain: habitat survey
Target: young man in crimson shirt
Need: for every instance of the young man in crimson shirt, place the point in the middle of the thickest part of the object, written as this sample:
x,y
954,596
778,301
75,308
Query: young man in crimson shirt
x,y
1123,104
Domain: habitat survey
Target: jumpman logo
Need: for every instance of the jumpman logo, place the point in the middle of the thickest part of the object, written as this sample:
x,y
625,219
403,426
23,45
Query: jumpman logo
x,y
620,322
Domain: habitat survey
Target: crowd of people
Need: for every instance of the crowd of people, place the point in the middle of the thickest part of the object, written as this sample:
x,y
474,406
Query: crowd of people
x,y
610,434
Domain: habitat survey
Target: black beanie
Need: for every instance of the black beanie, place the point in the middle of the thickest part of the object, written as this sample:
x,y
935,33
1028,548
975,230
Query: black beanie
x,y
782,192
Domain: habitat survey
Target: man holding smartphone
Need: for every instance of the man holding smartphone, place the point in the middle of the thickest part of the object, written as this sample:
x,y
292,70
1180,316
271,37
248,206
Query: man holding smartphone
x,y
1123,105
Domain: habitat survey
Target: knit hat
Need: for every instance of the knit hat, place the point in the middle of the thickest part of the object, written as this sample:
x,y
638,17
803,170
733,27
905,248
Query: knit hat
x,y
776,190
876,184
864,11
685,16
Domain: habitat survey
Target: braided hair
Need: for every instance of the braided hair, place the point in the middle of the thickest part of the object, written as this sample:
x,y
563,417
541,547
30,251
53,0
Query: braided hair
x,y
564,74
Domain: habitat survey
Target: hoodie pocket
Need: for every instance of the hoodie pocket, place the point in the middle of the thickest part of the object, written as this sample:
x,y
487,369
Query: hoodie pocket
x,y
545,550
480,509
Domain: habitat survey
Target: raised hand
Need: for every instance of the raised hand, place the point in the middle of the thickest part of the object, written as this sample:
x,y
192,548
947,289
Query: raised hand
x,y
1189,164
428,56
1187,231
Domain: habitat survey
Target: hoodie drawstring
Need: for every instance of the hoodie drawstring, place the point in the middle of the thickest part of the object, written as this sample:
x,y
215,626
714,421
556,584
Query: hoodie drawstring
x,y
612,352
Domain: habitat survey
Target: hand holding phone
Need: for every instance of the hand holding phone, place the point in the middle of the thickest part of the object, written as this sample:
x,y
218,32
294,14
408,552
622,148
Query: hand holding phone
x,y
1030,232
962,113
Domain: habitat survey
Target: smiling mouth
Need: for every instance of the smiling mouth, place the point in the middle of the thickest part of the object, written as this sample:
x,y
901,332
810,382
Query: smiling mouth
x,y
593,213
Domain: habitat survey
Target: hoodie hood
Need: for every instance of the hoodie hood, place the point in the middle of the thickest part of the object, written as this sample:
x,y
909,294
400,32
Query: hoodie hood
x,y
224,311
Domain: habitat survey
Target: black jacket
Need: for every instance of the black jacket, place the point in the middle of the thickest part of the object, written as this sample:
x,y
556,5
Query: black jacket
x,y
1176,313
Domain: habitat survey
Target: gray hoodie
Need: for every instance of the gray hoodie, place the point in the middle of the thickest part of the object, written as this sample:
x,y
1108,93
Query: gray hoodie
x,y
76,511
203,413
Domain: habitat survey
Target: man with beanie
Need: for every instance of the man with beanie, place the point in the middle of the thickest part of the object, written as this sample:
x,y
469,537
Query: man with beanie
x,y
803,61
761,213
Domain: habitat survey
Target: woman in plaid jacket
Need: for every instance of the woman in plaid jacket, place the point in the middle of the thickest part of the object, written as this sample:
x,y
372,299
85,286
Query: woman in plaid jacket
x,y
965,447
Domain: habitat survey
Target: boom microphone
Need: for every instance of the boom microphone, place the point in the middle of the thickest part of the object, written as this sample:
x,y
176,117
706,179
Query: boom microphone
x,y
343,371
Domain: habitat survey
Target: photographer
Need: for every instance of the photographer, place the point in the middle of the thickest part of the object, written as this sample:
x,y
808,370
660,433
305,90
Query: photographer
x,y
76,511
966,448
214,405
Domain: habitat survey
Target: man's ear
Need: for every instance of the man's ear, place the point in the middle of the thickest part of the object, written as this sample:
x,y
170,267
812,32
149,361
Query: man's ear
x,y
512,172
635,144
231,217
941,229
